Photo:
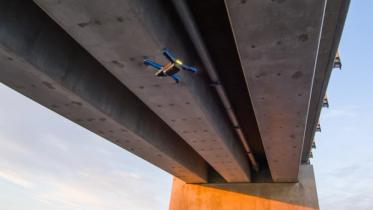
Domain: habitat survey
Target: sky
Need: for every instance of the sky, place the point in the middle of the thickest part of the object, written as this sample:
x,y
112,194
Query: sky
x,y
49,163
344,156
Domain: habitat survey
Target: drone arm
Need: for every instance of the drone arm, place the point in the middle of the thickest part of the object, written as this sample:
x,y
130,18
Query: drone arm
x,y
169,55
176,78
153,64
189,68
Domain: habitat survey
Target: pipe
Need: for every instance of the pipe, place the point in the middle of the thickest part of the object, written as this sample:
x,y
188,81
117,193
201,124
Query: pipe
x,y
193,32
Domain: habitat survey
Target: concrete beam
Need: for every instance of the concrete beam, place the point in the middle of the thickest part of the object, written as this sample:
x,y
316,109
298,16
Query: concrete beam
x,y
278,44
39,60
253,196
335,16
120,34
215,29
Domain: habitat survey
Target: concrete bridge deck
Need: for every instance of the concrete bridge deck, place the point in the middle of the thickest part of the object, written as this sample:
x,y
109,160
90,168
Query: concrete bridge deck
x,y
264,70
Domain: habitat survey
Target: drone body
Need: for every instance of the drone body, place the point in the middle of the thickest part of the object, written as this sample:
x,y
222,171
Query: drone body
x,y
170,69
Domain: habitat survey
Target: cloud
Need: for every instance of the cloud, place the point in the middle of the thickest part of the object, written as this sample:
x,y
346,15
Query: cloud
x,y
70,195
348,185
15,178
60,165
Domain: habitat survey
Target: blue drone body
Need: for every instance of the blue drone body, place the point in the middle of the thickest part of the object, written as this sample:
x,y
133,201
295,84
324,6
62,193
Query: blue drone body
x,y
170,69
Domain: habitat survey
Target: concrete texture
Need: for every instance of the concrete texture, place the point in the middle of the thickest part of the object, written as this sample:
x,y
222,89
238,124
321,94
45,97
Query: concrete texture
x,y
39,60
278,43
120,34
215,29
335,15
253,196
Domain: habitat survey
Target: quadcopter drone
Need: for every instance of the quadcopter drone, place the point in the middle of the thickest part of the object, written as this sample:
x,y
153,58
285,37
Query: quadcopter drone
x,y
170,69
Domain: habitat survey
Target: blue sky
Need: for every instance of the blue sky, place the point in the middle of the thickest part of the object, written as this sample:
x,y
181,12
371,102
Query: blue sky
x,y
48,162
344,156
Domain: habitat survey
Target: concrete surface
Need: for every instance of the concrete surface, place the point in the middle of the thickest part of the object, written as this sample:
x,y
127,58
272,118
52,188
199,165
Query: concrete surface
x,y
278,42
248,196
39,60
335,15
215,30
120,34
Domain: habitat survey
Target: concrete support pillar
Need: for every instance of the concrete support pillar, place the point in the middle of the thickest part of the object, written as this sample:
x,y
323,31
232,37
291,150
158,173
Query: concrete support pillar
x,y
247,196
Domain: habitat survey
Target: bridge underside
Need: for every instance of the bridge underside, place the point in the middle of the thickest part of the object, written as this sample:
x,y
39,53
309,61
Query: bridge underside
x,y
84,60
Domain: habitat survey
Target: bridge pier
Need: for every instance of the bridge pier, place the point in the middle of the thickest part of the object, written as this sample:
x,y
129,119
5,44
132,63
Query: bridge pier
x,y
247,196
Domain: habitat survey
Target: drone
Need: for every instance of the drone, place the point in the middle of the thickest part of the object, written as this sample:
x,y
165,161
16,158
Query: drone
x,y
170,69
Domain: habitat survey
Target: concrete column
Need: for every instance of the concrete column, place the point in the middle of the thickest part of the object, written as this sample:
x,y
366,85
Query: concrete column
x,y
247,196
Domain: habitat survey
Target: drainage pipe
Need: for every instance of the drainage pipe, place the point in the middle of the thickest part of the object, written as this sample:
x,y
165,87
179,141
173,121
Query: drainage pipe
x,y
193,32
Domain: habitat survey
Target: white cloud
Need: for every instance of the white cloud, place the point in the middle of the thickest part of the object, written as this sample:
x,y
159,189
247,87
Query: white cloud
x,y
70,195
348,184
60,165
15,178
